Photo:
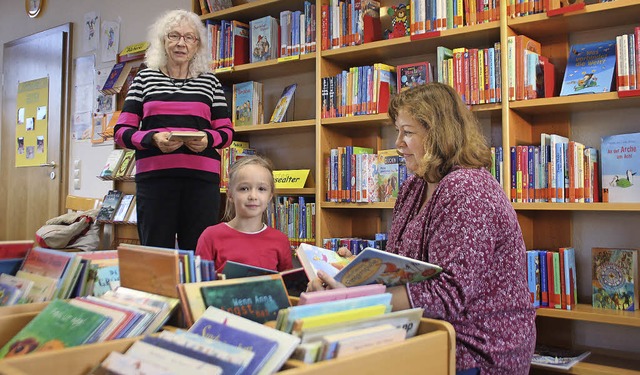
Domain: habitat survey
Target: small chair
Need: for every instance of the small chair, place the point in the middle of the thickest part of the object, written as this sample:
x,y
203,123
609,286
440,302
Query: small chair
x,y
76,203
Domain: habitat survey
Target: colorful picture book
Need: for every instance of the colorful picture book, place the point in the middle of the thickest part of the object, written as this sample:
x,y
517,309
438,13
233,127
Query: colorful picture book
x,y
620,164
263,34
257,298
283,103
113,161
590,68
615,278
247,103
59,325
368,267
414,74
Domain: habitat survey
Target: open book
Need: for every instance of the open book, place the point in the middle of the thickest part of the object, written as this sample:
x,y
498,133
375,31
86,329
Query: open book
x,y
186,135
370,266
557,358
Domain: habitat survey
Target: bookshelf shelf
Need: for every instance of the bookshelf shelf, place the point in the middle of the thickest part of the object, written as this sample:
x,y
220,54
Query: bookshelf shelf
x,y
259,71
382,50
289,126
574,103
379,205
594,16
633,207
251,10
585,312
301,191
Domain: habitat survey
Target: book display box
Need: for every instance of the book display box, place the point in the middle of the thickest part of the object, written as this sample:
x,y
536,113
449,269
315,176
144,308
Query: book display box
x,y
435,343
305,142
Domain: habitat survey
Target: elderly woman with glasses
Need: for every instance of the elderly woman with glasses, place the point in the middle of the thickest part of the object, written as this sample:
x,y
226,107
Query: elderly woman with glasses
x,y
177,181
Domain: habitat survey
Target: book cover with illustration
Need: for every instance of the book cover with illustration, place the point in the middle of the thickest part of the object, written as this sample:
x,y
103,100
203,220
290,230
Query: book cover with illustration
x,y
369,267
589,68
412,75
263,33
620,163
283,103
615,278
247,103
257,298
60,325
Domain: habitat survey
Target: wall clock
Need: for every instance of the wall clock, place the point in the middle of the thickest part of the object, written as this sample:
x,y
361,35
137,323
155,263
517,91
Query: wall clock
x,y
33,7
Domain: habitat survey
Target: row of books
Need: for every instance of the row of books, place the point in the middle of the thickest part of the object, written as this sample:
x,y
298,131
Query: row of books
x,y
229,155
355,244
628,60
232,42
360,90
563,170
551,277
120,164
435,15
295,217
83,320
118,207
210,6
350,23
46,274
473,72
356,174
615,279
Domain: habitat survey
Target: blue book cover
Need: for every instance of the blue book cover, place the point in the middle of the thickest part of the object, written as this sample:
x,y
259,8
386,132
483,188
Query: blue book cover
x,y
10,266
261,346
620,163
533,277
590,68
227,367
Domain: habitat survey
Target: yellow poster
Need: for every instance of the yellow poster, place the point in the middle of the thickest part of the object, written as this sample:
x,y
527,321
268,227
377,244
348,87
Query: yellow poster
x,y
32,118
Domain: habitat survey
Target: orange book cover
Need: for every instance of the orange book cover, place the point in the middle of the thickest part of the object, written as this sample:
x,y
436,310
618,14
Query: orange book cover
x,y
523,43
149,269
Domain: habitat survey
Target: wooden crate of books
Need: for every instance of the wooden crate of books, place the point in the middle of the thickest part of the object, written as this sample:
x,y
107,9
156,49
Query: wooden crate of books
x,y
435,344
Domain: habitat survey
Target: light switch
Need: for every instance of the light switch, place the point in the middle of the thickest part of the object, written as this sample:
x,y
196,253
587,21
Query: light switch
x,y
76,184
76,164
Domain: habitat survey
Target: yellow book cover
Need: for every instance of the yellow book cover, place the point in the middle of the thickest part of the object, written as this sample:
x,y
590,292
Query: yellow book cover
x,y
338,317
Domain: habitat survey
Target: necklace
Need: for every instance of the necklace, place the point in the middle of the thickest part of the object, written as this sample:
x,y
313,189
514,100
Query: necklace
x,y
178,82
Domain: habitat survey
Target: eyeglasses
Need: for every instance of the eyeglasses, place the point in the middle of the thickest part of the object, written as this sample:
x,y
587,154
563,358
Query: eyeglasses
x,y
188,38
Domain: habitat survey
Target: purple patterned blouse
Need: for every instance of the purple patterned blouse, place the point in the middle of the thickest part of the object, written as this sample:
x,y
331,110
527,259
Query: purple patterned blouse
x,y
469,228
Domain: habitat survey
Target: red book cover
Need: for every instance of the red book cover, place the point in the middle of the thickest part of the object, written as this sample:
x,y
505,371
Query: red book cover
x,y
240,43
553,268
15,249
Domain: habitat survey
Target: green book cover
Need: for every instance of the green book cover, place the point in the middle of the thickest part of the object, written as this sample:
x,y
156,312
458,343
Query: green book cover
x,y
256,298
59,325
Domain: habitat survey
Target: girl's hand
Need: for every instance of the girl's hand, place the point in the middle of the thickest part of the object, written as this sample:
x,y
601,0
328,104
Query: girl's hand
x,y
322,282
161,140
197,145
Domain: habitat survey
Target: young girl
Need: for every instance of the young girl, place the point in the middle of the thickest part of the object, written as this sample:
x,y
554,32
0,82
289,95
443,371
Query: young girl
x,y
243,236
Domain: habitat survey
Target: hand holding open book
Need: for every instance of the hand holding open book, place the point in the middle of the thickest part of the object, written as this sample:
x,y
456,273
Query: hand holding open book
x,y
186,135
370,266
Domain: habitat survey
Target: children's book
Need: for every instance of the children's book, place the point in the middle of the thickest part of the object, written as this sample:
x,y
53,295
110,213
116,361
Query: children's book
x,y
123,208
283,103
308,298
128,159
23,284
226,352
113,161
263,34
412,75
620,163
589,68
247,103
10,266
557,358
295,280
15,249
615,278
9,294
109,205
369,267
286,342
174,362
234,270
186,135
60,325
262,347
119,363
258,298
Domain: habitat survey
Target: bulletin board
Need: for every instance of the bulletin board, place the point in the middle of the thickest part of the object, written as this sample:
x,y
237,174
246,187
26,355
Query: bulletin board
x,y
32,122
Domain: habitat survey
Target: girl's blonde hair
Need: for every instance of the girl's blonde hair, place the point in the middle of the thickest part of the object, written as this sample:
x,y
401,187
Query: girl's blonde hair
x,y
230,209
156,56
453,133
